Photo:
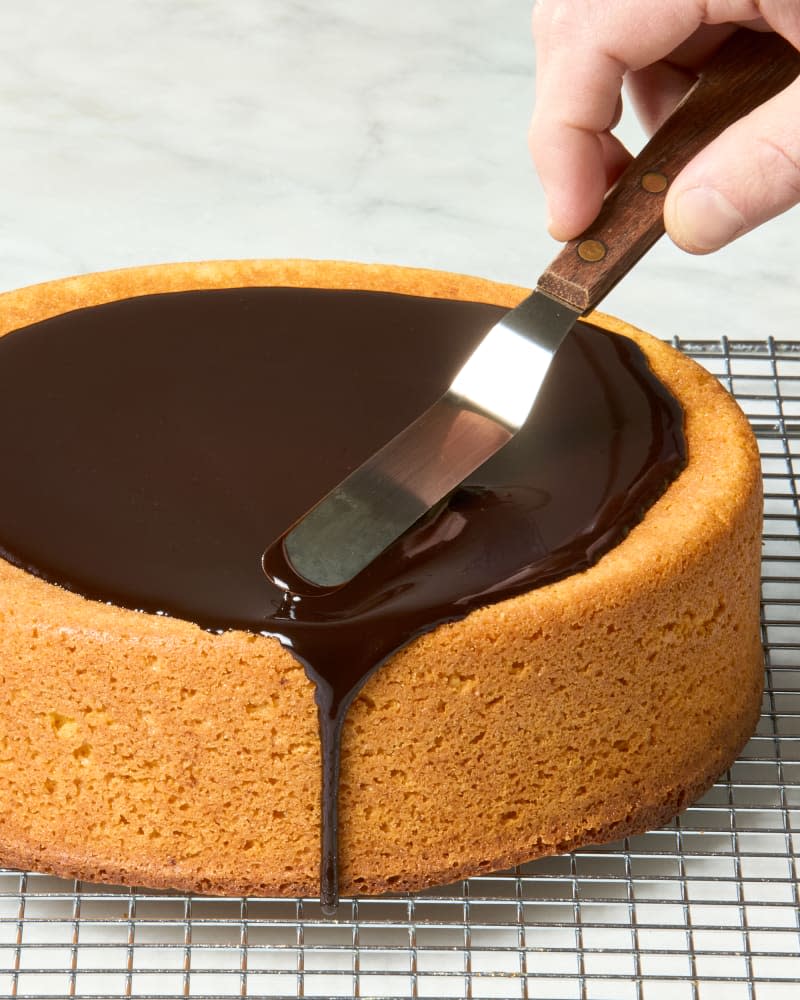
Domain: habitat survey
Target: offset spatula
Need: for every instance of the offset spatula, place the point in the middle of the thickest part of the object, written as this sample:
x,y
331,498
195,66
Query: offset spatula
x,y
492,396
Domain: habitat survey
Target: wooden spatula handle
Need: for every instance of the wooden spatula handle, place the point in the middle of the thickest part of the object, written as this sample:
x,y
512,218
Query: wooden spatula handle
x,y
747,70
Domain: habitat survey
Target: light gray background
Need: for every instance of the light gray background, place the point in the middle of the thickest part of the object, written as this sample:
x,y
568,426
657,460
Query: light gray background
x,y
155,130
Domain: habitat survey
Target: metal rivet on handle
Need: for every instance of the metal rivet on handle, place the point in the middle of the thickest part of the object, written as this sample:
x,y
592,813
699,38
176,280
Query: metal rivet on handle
x,y
654,182
591,250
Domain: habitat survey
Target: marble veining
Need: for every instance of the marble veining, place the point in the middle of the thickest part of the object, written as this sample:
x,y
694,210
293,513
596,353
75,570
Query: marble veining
x,y
145,131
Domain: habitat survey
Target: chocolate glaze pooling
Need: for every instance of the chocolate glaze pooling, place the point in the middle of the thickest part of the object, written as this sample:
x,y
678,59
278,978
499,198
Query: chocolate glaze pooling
x,y
153,448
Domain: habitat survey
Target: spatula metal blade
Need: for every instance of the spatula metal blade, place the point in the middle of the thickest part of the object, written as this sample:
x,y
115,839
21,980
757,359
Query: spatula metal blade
x,y
486,404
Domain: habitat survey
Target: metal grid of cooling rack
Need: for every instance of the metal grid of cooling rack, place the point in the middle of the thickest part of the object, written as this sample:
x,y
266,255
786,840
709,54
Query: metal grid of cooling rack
x,y
707,908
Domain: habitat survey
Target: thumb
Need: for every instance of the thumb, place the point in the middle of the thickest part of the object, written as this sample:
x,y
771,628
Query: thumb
x,y
749,174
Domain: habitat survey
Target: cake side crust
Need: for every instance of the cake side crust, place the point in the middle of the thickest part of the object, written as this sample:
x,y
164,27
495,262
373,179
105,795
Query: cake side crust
x,y
144,737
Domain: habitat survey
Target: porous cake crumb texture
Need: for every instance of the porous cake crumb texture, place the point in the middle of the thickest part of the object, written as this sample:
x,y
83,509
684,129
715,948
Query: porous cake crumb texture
x,y
141,749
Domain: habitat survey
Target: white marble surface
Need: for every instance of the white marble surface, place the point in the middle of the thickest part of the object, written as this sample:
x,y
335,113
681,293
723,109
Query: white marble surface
x,y
151,130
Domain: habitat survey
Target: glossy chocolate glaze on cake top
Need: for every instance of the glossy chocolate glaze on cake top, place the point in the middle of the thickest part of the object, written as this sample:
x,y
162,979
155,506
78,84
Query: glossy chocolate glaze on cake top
x,y
153,448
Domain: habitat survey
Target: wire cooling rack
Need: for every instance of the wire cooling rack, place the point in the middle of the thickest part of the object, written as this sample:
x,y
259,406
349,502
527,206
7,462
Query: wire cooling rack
x,y
704,909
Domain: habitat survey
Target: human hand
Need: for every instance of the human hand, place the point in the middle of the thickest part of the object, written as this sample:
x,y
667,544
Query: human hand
x,y
585,48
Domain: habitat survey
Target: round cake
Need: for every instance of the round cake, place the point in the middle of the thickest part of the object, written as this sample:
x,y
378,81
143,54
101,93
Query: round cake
x,y
154,750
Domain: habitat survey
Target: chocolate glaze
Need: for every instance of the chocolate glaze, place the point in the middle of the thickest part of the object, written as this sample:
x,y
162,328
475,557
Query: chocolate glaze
x,y
155,446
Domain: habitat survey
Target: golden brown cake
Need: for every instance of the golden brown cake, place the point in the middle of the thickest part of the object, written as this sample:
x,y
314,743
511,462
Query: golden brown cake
x,y
142,749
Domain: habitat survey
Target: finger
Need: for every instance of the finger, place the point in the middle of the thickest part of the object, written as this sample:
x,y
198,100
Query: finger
x,y
583,50
656,90
751,173
573,201
615,158
565,142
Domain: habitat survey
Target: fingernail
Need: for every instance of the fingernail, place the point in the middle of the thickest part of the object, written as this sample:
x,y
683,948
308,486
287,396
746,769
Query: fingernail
x,y
705,220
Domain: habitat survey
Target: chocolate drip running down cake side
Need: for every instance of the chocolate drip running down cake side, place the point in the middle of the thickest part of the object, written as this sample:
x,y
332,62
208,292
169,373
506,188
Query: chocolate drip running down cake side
x,y
553,658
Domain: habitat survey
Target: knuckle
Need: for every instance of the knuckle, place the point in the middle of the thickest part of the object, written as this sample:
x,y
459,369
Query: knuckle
x,y
553,18
780,162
